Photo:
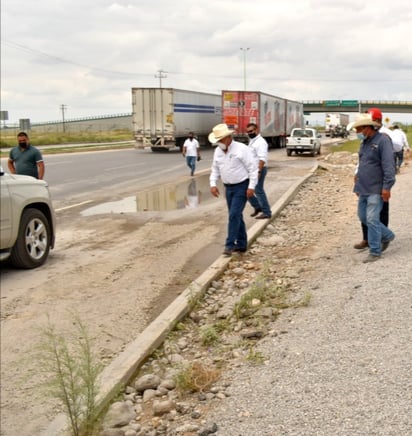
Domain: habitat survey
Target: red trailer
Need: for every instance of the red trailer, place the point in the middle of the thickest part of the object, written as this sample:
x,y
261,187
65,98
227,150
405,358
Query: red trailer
x,y
275,116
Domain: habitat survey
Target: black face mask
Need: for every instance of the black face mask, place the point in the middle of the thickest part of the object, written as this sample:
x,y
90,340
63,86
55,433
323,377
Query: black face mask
x,y
23,144
252,135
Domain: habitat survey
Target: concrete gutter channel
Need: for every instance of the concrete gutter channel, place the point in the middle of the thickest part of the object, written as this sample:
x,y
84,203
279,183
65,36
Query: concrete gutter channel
x,y
121,370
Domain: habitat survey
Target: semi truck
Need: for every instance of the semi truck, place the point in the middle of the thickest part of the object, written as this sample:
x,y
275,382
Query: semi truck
x,y
163,117
335,124
275,116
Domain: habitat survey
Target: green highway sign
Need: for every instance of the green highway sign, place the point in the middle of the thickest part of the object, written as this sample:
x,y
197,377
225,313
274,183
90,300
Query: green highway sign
x,y
350,103
331,102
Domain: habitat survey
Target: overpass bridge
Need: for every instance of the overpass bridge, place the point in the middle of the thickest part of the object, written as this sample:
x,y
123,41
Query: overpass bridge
x,y
356,106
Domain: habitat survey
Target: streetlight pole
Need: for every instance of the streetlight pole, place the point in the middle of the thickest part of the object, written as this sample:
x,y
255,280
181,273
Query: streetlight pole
x,y
244,65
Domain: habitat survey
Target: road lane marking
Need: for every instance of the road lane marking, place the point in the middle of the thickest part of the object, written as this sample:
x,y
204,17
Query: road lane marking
x,y
73,205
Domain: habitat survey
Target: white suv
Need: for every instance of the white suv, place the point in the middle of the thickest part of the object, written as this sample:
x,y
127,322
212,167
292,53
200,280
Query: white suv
x,y
28,224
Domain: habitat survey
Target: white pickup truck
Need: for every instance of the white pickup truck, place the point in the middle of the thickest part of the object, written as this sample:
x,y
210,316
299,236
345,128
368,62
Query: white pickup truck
x,y
303,140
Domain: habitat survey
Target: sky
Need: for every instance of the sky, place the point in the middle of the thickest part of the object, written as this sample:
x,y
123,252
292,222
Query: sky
x,y
86,55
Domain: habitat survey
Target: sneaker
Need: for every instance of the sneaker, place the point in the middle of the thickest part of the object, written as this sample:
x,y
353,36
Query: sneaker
x,y
363,244
371,258
385,244
256,212
227,252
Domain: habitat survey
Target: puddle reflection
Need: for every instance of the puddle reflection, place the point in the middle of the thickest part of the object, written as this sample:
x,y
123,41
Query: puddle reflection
x,y
185,195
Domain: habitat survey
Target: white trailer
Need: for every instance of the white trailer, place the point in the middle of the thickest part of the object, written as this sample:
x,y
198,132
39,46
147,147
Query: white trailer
x,y
334,120
163,117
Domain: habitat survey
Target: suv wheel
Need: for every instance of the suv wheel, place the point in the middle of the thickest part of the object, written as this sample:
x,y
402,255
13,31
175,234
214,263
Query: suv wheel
x,y
33,241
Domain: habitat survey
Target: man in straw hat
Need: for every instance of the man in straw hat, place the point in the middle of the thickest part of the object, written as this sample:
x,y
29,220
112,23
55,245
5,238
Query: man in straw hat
x,y
233,162
373,182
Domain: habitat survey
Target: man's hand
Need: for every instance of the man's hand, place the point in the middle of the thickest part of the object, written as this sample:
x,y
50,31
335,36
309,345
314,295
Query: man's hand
x,y
214,191
250,193
386,195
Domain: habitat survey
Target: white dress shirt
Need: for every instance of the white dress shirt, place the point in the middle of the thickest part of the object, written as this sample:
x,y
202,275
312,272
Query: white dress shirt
x,y
234,166
259,148
399,140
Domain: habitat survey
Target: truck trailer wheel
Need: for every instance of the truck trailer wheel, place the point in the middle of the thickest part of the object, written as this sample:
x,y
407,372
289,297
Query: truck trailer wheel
x,y
159,149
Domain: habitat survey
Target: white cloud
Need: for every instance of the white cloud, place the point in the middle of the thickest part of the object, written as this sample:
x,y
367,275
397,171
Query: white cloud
x,y
88,54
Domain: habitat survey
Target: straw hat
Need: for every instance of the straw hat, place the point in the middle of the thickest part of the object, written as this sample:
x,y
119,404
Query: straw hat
x,y
362,120
220,131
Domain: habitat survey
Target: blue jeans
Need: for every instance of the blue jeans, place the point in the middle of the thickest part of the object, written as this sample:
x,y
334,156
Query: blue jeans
x,y
398,159
236,201
369,209
259,200
191,163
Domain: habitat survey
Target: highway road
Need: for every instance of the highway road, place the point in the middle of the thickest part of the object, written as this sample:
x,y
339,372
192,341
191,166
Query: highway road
x,y
75,178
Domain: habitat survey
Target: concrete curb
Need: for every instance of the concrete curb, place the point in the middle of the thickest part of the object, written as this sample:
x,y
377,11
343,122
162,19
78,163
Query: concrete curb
x,y
119,372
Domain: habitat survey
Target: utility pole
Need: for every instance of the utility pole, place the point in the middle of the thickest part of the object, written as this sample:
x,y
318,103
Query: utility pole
x,y
244,65
63,108
161,76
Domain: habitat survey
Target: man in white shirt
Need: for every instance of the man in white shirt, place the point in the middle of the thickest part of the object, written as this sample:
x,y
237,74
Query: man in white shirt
x,y
400,144
191,152
233,162
259,148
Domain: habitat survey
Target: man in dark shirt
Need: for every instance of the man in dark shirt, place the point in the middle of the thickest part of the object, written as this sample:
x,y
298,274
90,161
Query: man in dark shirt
x,y
26,159
373,182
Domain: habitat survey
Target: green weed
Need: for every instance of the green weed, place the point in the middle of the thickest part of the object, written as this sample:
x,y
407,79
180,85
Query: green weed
x,y
72,370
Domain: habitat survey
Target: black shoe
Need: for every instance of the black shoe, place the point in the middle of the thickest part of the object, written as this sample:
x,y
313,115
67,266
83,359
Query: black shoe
x,y
262,216
240,250
256,212
228,252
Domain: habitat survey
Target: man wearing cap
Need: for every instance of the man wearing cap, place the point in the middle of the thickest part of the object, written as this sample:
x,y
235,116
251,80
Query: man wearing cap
x,y
233,162
373,182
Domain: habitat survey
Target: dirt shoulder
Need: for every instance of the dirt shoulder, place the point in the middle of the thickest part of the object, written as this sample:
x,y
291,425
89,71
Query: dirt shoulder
x,y
117,273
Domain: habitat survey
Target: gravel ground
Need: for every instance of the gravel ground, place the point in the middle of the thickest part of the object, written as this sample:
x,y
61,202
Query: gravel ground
x,y
342,365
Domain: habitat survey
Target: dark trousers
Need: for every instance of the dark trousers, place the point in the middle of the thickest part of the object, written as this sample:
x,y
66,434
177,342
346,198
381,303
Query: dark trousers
x,y
384,217
398,159
260,201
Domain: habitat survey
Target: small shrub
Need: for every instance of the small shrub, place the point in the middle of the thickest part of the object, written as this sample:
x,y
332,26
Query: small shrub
x,y
208,335
196,378
255,357
72,371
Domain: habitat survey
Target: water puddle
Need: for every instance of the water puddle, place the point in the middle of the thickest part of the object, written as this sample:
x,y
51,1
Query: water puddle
x,y
185,195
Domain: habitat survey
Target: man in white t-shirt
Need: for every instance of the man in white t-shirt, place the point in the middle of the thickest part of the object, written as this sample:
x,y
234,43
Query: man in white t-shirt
x,y
191,150
400,144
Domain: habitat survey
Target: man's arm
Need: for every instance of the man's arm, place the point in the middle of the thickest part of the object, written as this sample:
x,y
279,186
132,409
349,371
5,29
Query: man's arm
x,y
10,164
40,169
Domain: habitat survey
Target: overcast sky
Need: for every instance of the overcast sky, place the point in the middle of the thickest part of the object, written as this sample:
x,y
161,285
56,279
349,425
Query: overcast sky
x,y
88,54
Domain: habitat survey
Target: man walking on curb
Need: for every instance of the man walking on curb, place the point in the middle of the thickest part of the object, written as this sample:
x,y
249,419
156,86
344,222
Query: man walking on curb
x,y
234,164
374,180
259,148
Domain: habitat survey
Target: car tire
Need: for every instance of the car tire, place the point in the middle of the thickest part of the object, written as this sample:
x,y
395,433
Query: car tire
x,y
33,241
289,152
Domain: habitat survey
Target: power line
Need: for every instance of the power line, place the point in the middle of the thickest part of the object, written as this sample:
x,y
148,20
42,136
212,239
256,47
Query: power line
x,y
197,74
